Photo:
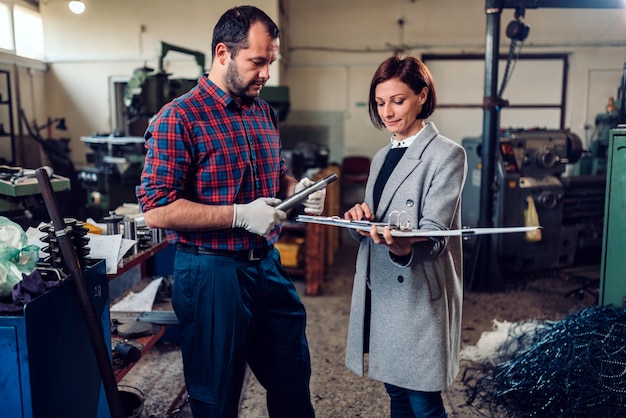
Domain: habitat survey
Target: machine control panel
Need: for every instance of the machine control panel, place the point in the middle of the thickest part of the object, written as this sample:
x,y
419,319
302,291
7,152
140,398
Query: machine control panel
x,y
542,151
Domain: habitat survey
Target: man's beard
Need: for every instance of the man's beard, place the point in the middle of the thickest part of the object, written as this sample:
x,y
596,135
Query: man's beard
x,y
237,86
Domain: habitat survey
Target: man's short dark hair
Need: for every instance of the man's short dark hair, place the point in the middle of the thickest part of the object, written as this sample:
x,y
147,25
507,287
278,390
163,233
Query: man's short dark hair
x,y
233,26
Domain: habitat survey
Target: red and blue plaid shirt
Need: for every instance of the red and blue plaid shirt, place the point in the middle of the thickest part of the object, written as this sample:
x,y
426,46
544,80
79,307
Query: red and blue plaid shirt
x,y
206,148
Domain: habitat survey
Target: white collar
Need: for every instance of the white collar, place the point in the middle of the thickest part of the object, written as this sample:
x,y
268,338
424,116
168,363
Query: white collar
x,y
405,143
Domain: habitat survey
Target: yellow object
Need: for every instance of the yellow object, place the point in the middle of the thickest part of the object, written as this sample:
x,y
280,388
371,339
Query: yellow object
x,y
93,229
610,107
531,218
291,253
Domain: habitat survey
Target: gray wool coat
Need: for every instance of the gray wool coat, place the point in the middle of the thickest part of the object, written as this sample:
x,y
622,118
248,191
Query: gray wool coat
x,y
415,325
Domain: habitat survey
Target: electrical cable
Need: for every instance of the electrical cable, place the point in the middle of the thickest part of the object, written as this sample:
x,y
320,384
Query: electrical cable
x,y
510,64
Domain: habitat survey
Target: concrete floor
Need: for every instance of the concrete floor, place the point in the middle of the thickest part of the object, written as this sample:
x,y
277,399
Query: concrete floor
x,y
336,392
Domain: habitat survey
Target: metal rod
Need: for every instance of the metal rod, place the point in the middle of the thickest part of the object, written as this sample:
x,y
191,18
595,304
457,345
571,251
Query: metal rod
x,y
296,198
94,327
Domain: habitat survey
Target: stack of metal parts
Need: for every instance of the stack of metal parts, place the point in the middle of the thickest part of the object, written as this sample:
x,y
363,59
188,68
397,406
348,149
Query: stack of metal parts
x,y
132,228
77,231
146,237
138,232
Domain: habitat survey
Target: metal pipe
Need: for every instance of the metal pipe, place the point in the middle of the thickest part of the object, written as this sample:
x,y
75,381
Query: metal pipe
x,y
484,270
622,109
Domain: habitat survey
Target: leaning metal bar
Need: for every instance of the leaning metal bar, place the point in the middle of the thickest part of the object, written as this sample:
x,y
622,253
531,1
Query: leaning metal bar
x,y
91,320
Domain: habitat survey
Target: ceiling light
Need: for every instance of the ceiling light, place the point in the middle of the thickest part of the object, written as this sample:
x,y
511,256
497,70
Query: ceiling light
x,y
77,7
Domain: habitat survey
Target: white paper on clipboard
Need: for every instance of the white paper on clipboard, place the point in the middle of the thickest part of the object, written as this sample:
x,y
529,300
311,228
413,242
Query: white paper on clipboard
x,y
366,226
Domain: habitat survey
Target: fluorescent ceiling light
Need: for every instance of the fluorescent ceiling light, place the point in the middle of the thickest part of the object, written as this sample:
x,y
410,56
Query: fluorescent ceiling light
x,y
77,7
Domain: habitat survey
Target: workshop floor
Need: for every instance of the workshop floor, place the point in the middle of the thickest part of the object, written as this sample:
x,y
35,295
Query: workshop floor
x,y
336,392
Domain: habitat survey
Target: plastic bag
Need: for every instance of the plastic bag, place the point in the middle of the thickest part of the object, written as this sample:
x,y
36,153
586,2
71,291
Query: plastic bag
x,y
531,218
16,255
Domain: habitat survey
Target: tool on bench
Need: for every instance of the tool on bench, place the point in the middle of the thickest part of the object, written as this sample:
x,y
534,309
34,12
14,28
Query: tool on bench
x,y
154,317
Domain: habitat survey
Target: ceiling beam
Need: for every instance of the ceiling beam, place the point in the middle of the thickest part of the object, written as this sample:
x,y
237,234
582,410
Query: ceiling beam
x,y
564,4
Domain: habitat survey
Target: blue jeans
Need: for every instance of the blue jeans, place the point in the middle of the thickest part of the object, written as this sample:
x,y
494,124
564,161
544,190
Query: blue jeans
x,y
232,312
406,403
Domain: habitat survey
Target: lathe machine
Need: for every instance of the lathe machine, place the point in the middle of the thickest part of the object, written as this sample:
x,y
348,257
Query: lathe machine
x,y
116,168
532,165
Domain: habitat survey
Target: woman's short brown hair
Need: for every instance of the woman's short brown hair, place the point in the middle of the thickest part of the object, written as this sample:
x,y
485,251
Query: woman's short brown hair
x,y
412,72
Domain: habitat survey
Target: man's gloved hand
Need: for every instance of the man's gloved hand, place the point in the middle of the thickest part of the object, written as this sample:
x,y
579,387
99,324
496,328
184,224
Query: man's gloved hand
x,y
259,216
314,204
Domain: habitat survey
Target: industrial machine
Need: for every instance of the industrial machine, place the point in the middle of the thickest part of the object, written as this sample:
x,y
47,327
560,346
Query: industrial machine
x,y
531,165
19,192
147,91
483,271
594,159
117,162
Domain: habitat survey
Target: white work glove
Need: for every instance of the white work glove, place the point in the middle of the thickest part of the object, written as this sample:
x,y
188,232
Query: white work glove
x,y
259,216
314,204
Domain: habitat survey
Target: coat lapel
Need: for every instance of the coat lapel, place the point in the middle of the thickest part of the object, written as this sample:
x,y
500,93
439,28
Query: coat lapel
x,y
407,165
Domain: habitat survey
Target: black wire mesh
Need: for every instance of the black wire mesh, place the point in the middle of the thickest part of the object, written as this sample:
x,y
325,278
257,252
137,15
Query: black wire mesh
x,y
571,368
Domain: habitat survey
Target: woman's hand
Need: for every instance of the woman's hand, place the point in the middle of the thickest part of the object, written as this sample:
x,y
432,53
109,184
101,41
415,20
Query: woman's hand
x,y
360,212
398,246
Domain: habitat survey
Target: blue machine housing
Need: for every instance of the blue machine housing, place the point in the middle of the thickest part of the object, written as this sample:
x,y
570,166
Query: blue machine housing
x,y
48,364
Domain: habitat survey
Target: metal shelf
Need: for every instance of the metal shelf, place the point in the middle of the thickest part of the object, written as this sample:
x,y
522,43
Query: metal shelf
x,y
147,342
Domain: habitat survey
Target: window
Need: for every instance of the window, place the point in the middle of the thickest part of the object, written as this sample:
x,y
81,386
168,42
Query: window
x,y
460,90
21,28
6,32
28,32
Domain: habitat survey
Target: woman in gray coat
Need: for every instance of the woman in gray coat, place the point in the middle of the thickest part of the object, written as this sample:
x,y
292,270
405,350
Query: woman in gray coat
x,y
407,295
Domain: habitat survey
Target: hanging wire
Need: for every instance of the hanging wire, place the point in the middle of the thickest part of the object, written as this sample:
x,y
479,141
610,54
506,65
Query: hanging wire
x,y
510,64
517,31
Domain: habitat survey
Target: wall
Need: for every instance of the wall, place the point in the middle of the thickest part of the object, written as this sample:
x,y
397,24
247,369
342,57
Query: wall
x,y
334,48
330,49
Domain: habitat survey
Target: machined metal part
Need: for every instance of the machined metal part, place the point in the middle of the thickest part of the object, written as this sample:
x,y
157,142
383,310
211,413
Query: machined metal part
x,y
154,317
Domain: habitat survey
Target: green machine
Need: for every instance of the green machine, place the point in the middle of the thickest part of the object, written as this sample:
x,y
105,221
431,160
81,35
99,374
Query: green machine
x,y
594,159
147,91
20,192
593,162
613,265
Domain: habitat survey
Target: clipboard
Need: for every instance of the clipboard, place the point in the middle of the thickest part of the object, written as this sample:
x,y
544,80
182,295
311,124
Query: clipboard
x,y
399,231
